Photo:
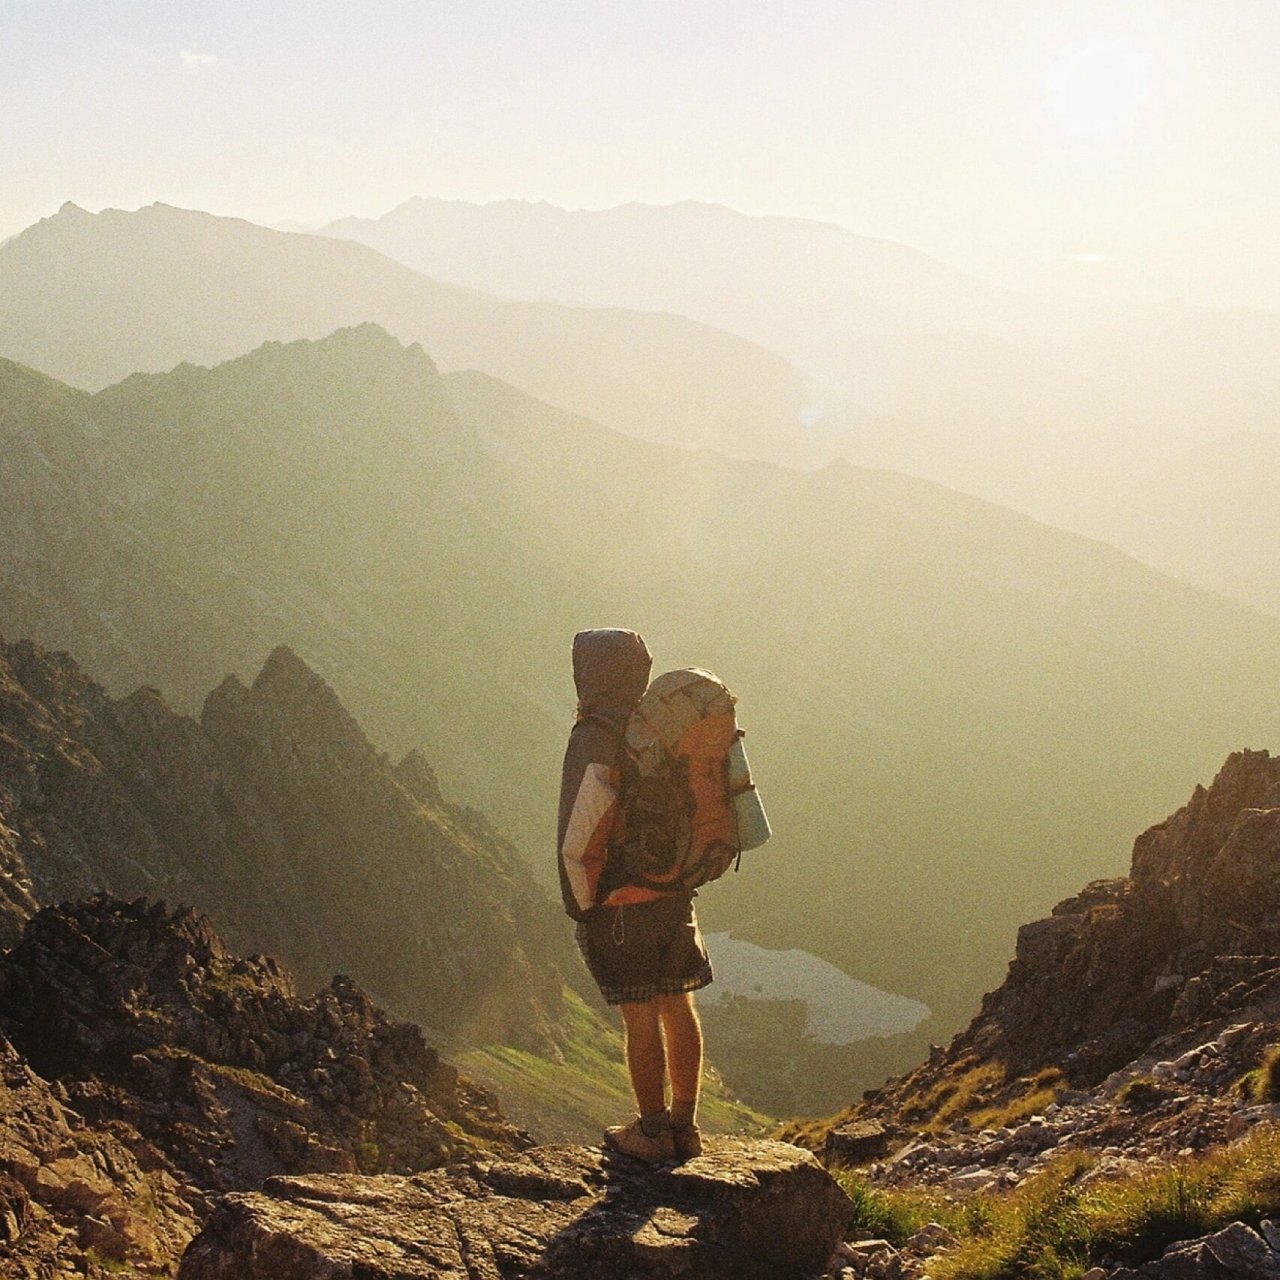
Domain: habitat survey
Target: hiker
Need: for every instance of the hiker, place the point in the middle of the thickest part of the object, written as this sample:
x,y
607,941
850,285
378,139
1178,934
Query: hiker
x,y
642,945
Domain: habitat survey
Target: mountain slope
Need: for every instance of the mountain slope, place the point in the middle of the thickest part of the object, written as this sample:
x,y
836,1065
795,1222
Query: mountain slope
x,y
92,298
774,278
954,711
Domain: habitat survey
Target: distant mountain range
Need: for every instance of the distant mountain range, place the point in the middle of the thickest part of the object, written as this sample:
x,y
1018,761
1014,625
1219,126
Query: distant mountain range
x,y
1050,405
955,712
92,298
825,344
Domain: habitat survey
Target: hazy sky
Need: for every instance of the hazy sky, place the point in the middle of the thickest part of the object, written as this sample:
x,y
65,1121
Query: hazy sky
x,y
1133,143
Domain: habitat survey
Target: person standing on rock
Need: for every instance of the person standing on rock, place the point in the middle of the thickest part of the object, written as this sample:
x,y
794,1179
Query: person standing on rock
x,y
643,947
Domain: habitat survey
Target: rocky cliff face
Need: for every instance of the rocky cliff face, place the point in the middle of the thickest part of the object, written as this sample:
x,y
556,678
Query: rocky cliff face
x,y
276,815
1195,925
147,1068
1189,940
1133,1033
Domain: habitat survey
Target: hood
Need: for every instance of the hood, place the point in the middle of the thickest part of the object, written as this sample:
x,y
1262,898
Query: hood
x,y
610,671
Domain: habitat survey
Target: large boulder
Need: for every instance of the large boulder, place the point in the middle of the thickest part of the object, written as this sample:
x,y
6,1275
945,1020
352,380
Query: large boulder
x,y
743,1209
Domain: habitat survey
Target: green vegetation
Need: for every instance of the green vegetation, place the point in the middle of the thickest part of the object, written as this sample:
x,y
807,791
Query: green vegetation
x,y
896,1215
1059,1224
1263,1082
242,1077
1141,1092
103,1261
231,985
977,1094
1027,1098
572,1100
969,1085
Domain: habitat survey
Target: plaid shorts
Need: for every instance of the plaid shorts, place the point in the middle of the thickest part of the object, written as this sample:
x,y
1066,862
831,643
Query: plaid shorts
x,y
645,950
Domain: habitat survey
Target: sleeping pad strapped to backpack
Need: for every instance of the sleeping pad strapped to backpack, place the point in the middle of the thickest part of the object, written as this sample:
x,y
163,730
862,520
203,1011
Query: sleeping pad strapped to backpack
x,y
688,805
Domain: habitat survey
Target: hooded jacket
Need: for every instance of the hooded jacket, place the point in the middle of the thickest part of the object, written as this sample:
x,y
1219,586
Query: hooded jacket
x,y
610,672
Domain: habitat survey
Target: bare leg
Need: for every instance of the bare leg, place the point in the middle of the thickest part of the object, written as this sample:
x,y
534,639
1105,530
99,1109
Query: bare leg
x,y
679,1020
645,1058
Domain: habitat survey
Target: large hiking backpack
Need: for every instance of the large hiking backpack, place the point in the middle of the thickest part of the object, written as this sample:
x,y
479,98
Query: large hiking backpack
x,y
689,807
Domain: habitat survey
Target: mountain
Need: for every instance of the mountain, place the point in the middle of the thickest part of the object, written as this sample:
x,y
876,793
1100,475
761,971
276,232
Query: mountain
x,y
92,298
1120,1089
1032,401
951,708
274,813
775,278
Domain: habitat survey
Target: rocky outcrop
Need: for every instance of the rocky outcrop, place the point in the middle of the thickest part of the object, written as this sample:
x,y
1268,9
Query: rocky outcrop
x,y
1141,968
1136,1029
73,1196
275,815
1108,973
144,1018
742,1210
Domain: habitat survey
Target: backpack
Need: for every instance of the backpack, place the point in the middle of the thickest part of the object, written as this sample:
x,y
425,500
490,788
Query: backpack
x,y
688,805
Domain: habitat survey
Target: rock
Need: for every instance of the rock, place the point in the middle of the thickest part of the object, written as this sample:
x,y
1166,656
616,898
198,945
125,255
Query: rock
x,y
97,1233
857,1142
15,1205
1242,1121
146,1017
1237,1252
930,1238
914,1152
1244,1253
973,1182
66,1188
742,1209
862,1250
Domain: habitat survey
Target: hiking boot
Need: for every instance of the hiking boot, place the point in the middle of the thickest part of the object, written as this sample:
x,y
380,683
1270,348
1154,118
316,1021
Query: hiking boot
x,y
631,1140
687,1139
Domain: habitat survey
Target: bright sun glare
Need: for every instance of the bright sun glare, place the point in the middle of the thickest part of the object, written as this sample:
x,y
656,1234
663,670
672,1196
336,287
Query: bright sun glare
x,y
1098,90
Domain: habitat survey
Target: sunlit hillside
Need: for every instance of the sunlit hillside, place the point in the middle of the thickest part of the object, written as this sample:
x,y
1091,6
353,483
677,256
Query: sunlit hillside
x,y
955,713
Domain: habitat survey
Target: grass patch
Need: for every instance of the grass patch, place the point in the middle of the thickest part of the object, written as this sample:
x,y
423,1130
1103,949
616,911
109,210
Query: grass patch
x,y
896,1215
966,1088
1141,1093
1059,1225
107,1262
1262,1084
254,1082
571,1101
1026,1099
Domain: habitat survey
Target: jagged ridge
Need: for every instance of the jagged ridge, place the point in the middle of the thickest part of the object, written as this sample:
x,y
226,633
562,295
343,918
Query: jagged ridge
x,y
275,813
